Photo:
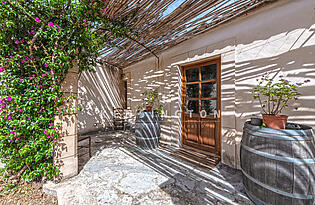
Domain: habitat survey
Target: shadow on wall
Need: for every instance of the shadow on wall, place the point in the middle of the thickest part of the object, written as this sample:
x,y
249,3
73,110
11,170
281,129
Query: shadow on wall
x,y
297,65
99,93
279,40
290,54
148,76
149,79
278,51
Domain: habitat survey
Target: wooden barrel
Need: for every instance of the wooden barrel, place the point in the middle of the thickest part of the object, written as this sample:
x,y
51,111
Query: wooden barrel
x,y
147,130
279,165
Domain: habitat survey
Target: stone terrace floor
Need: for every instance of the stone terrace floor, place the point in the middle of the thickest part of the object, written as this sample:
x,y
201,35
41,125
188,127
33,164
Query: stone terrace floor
x,y
120,173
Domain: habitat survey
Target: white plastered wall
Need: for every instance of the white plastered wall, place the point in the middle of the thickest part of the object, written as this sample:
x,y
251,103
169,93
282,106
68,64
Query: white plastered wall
x,y
99,93
278,38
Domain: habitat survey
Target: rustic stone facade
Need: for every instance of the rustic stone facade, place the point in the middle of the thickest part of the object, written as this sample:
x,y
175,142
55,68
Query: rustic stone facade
x,y
66,146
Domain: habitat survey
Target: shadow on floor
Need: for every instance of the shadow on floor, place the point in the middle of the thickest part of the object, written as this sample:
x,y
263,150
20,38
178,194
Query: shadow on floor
x,y
99,141
193,178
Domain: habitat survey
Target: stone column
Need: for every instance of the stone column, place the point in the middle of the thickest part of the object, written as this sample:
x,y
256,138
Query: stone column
x,y
66,156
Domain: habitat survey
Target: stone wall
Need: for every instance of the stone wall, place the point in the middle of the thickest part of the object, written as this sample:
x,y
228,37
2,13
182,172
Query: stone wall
x,y
97,93
66,155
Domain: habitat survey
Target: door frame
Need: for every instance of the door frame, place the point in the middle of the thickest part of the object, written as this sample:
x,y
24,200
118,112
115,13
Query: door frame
x,y
218,136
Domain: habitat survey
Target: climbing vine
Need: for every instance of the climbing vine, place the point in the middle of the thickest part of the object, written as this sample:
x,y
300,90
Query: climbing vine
x,y
39,41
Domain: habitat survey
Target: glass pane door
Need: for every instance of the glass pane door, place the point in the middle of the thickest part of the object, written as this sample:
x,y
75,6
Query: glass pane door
x,y
201,104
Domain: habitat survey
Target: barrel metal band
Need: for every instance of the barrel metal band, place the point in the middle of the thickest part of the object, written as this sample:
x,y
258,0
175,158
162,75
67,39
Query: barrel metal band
x,y
308,131
279,137
145,138
279,158
297,196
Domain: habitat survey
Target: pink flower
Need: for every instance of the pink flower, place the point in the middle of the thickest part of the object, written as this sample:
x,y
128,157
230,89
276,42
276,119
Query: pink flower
x,y
32,77
28,118
45,131
58,26
84,20
50,24
9,98
46,65
43,75
9,117
1,70
37,19
17,41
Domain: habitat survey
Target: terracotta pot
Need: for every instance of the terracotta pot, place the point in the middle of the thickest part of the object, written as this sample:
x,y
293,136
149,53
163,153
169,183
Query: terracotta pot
x,y
275,121
148,108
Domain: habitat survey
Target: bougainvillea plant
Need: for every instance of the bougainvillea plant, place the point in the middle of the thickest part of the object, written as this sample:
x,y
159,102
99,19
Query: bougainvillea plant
x,y
39,41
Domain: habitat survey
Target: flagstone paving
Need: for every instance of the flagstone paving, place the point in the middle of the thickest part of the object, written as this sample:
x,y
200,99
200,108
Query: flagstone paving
x,y
120,173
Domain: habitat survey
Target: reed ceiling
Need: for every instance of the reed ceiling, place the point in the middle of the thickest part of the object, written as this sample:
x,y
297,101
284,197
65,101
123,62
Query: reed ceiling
x,y
162,24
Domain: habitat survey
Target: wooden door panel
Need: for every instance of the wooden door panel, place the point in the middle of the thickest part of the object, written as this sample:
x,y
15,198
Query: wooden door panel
x,y
201,97
207,134
192,131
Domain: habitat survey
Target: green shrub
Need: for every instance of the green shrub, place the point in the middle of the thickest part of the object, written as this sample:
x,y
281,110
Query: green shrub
x,y
39,41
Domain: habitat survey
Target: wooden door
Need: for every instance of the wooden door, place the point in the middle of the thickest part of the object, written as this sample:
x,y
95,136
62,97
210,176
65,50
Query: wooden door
x,y
201,97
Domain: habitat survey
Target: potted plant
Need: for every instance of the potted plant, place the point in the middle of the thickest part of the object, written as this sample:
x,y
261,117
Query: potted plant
x,y
151,99
148,121
274,97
